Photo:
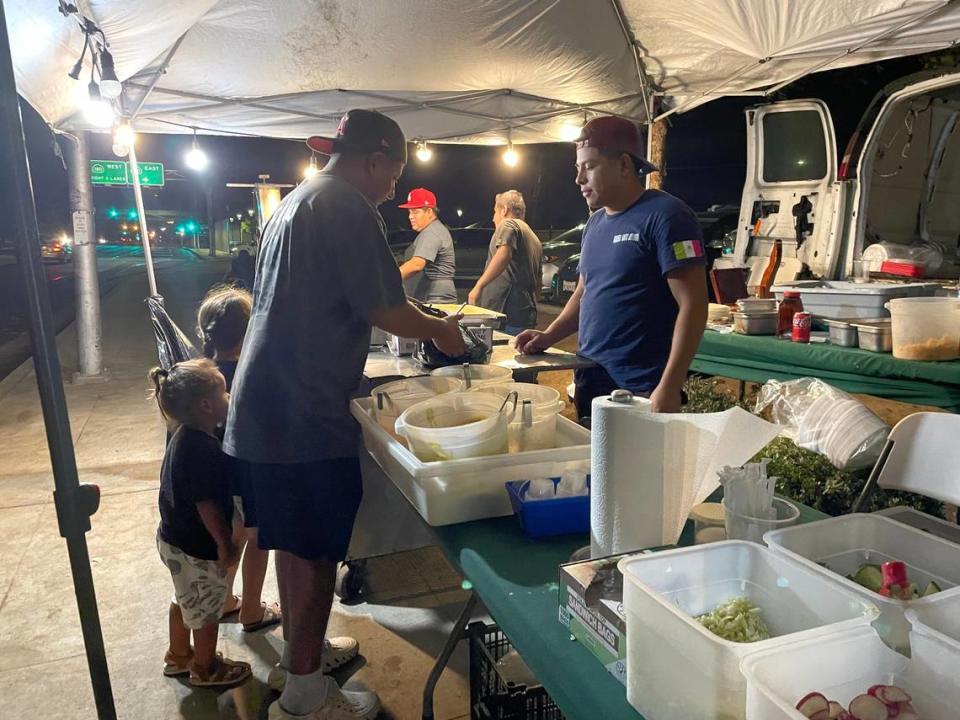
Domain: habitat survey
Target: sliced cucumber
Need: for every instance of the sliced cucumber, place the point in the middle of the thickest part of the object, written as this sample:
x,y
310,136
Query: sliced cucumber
x,y
870,577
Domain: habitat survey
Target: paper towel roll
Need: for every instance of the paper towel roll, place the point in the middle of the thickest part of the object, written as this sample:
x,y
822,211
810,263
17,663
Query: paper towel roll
x,y
650,469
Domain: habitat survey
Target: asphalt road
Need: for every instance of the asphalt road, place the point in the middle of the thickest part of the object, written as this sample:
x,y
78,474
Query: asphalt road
x,y
114,263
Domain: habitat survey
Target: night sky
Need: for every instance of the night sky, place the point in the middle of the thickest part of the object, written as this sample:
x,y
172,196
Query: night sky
x,y
706,154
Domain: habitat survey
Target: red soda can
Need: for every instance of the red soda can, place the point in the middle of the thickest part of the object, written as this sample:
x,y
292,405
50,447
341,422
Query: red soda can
x,y
802,321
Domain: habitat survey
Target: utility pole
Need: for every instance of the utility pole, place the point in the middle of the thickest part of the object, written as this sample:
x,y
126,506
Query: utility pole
x,y
211,240
87,283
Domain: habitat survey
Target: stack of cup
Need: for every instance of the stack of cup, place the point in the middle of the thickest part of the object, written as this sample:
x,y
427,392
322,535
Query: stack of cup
x,y
840,428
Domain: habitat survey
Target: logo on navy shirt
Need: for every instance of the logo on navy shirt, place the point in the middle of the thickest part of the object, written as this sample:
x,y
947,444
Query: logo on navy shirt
x,y
627,237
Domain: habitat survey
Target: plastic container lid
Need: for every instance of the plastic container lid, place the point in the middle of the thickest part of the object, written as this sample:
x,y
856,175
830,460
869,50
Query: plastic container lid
x,y
708,513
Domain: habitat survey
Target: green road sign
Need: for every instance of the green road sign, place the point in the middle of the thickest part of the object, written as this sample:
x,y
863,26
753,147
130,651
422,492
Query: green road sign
x,y
117,172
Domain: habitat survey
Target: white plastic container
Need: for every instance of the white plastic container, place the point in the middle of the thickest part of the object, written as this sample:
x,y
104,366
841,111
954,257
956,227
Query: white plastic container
x,y
676,668
935,631
475,376
455,426
837,547
545,405
926,328
392,398
840,667
848,300
457,491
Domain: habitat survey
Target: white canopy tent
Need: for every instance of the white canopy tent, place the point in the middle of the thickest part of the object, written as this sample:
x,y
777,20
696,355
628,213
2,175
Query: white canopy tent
x,y
470,71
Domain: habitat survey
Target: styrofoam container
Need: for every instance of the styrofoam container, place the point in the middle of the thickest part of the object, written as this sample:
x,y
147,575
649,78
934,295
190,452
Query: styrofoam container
x,y
837,547
456,491
844,299
456,426
476,375
676,668
399,395
840,667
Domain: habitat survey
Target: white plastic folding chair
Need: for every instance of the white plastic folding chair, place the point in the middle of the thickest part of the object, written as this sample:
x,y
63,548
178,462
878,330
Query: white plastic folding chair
x,y
922,456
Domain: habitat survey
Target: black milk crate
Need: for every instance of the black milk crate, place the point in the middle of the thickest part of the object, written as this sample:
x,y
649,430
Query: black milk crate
x,y
491,698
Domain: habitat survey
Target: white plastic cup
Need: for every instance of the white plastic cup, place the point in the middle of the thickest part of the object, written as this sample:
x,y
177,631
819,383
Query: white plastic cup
x,y
573,483
744,527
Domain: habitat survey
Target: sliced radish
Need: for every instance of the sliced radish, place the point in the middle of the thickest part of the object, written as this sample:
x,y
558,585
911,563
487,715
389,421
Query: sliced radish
x,y
908,715
891,695
812,704
874,689
822,715
836,710
867,707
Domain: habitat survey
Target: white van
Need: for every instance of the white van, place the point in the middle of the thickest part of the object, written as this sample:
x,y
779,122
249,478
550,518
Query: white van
x,y
897,187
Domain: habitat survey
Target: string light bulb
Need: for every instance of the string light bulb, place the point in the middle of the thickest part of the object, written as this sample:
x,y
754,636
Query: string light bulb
x,y
123,139
98,111
424,153
510,156
195,158
109,84
311,168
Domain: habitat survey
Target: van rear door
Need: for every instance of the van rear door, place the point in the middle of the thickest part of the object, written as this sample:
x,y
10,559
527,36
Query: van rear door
x,y
790,192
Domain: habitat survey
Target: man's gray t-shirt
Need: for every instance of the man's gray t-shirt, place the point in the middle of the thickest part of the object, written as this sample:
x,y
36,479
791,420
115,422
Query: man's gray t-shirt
x,y
515,291
435,282
324,265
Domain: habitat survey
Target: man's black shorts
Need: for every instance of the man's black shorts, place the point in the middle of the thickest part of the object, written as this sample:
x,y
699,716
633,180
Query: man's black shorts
x,y
307,509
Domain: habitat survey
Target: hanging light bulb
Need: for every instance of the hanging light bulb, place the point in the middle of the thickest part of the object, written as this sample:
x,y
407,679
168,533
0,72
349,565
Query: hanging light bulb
x,y
196,159
97,111
123,139
312,168
424,153
109,84
510,156
570,131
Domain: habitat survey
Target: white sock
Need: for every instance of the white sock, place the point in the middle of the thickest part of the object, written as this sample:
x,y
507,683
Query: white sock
x,y
286,657
304,694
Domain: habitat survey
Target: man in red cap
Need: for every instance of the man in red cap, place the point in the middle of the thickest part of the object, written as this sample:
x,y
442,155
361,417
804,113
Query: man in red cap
x,y
640,306
323,263
430,262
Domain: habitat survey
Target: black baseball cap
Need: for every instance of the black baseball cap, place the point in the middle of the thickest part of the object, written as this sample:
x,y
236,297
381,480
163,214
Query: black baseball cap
x,y
362,132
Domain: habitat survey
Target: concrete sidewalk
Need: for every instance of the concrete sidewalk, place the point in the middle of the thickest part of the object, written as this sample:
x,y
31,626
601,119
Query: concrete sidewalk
x,y
412,601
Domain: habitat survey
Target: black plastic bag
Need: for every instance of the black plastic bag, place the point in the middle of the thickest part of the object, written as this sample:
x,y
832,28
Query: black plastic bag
x,y
429,355
173,345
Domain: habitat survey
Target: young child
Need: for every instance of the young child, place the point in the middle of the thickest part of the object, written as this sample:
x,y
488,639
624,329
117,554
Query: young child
x,y
194,537
221,324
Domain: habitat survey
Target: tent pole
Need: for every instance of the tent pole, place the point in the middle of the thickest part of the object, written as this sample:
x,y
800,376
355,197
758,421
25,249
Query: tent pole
x,y
142,216
74,502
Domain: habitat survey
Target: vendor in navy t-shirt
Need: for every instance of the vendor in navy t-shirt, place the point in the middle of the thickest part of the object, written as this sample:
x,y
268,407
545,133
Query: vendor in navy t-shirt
x,y
641,303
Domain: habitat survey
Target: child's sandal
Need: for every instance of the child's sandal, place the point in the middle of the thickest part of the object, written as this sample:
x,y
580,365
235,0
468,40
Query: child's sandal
x,y
225,673
177,665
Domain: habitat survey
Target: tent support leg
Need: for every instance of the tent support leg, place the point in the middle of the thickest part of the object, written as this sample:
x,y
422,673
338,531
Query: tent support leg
x,y
73,501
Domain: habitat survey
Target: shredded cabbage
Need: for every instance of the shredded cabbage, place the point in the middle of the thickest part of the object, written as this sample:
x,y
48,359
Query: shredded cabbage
x,y
737,620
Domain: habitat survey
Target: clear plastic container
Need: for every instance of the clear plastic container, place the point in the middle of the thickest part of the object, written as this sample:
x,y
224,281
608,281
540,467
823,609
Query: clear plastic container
x,y
708,523
456,425
925,328
545,405
676,668
475,376
935,630
455,491
838,547
392,398
743,527
840,667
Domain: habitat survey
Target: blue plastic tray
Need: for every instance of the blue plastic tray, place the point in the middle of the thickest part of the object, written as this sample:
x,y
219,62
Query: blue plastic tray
x,y
542,518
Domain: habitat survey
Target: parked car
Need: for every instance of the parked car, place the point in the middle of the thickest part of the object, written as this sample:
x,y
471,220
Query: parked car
x,y
58,249
565,280
556,251
897,183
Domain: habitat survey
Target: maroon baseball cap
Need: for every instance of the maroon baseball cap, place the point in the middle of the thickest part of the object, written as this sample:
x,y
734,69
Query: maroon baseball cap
x,y
420,198
616,134
362,132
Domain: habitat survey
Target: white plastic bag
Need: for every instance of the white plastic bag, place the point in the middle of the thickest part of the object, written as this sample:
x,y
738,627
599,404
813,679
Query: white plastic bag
x,y
828,421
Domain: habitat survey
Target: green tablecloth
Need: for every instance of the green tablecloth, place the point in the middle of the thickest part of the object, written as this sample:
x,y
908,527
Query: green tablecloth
x,y
756,358
516,577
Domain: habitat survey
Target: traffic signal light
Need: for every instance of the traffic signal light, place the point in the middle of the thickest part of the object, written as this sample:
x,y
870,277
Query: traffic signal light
x,y
191,226
132,214
113,213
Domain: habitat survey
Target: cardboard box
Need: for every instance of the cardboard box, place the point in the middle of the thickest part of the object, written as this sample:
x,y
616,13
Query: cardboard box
x,y
591,607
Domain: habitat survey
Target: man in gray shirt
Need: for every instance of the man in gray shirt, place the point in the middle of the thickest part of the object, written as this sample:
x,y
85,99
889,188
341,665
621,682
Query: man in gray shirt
x,y
324,275
511,280
430,262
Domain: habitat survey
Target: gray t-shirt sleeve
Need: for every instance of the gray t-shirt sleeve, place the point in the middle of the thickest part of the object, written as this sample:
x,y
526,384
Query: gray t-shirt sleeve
x,y
364,265
507,234
428,242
